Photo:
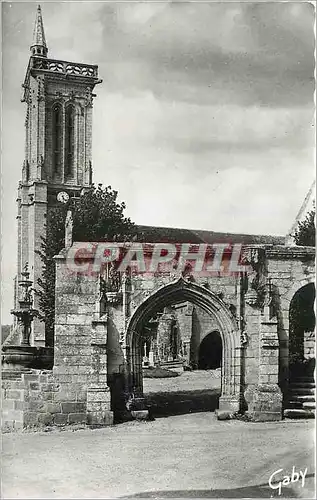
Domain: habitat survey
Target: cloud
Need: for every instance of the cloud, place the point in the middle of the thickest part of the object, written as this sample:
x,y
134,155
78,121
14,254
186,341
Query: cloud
x,y
142,122
204,117
178,163
260,53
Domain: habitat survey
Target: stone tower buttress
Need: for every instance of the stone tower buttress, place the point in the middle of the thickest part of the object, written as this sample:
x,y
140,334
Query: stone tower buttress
x,y
58,138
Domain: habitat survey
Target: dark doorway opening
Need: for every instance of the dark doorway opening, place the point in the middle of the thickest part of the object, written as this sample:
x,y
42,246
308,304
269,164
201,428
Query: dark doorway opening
x,y
210,352
301,332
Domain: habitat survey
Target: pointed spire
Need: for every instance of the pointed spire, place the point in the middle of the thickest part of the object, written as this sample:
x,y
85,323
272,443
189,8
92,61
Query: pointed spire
x,y
38,47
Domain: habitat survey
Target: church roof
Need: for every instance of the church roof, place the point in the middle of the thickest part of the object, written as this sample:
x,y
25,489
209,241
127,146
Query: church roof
x,y
154,234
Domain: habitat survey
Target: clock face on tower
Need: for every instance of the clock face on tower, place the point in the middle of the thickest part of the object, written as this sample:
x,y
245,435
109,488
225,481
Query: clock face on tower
x,y
63,197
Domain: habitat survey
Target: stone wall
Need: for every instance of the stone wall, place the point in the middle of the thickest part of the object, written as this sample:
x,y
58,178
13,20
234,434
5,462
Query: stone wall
x,y
164,328
33,399
252,347
76,390
184,318
81,344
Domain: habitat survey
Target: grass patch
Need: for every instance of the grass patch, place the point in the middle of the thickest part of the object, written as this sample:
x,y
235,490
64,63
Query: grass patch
x,y
157,372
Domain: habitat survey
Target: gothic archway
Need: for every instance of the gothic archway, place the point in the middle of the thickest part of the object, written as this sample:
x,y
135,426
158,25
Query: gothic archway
x,y
176,292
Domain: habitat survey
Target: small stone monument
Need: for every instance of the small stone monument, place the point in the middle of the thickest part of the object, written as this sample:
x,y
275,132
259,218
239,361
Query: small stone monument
x,y
19,357
69,224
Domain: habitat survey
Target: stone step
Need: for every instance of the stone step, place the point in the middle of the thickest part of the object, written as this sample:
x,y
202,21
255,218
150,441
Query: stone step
x,y
303,397
302,380
295,405
310,385
300,404
302,390
140,414
298,413
310,405
303,384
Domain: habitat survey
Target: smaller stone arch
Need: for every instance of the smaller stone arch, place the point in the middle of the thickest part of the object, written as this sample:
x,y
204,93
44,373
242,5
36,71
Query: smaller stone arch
x,y
302,321
286,298
297,285
284,327
179,291
210,351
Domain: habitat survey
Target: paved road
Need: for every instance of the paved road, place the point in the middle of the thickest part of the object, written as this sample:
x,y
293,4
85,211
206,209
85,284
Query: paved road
x,y
189,456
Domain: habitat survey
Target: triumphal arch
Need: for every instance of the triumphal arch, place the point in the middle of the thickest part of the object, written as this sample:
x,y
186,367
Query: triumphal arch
x,y
105,320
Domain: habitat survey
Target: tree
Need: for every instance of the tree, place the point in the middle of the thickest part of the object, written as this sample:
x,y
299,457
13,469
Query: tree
x,y
305,232
97,216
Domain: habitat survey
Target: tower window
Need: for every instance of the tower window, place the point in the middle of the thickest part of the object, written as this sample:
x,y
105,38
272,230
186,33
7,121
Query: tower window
x,y
69,140
57,138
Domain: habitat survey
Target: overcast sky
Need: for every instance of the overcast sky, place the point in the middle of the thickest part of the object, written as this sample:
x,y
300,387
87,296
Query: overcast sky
x,y
204,118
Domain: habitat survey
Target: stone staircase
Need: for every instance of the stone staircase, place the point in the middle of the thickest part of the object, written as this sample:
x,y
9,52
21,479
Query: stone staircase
x,y
301,398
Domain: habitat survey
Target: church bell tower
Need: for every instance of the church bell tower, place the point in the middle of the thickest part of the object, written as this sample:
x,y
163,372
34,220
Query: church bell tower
x,y
58,138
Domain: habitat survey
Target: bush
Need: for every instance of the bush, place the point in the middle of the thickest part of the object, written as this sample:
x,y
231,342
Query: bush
x,y
305,233
157,372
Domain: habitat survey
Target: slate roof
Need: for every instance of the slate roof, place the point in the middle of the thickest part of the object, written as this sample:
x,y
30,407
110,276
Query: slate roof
x,y
154,234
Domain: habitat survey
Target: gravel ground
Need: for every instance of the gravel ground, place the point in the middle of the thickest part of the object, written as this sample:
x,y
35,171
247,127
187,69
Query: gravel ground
x,y
197,380
189,456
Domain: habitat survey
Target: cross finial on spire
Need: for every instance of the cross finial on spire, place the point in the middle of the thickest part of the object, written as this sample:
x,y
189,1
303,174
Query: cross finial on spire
x,y
39,47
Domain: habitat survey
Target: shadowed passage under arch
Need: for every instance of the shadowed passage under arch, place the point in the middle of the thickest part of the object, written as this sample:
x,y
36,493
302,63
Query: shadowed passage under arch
x,y
301,329
210,352
224,341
